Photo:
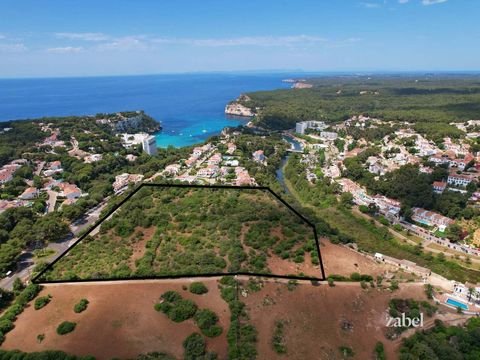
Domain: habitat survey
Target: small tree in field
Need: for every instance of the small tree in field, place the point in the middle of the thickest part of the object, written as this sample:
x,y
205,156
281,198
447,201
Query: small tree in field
x,y
66,327
198,288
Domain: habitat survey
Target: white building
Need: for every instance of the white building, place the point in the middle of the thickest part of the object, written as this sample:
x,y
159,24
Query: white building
x,y
459,179
328,135
300,127
149,145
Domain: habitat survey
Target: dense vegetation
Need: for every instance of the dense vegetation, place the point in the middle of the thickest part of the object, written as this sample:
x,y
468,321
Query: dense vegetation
x,y
444,342
415,99
43,355
27,228
194,231
409,308
241,336
21,228
16,308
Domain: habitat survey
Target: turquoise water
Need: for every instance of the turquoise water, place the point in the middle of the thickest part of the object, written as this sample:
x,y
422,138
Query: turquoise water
x,y
190,106
457,304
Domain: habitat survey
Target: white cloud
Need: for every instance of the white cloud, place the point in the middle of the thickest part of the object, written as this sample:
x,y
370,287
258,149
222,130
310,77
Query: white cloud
x,y
403,1
125,43
83,36
433,2
245,41
370,5
65,50
2,37
12,48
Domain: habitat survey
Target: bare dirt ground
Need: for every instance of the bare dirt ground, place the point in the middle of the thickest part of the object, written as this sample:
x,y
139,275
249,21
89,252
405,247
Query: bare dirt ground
x,y
139,247
288,267
120,320
342,261
314,317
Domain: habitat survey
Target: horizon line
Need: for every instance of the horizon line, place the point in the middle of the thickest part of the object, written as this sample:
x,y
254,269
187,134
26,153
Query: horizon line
x,y
253,72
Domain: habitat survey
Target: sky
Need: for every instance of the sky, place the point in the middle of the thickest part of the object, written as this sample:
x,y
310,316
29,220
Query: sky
x,y
53,38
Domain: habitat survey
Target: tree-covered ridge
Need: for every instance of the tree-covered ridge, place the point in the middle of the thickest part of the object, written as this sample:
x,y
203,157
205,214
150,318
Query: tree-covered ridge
x,y
194,231
92,133
444,342
415,99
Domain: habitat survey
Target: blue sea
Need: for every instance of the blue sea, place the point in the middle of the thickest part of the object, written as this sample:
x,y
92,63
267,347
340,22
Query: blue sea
x,y
190,106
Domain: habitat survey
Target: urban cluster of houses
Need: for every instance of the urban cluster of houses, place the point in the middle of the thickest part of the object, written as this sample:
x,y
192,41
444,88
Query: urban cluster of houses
x,y
123,180
51,140
390,208
7,171
395,151
207,164
56,188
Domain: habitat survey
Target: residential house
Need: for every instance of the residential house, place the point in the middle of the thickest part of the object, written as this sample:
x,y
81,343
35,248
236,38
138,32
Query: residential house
x,y
231,147
431,218
5,176
93,158
439,186
29,194
388,207
122,181
215,159
209,171
259,156
459,179
70,191
173,169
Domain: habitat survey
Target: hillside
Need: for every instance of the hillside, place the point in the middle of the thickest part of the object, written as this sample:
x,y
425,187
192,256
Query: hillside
x,y
415,99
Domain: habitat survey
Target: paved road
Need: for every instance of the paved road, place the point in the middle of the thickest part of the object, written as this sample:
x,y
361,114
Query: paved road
x,y
52,200
26,262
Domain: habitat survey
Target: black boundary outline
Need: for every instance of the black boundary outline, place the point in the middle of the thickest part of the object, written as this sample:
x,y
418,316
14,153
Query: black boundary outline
x,y
37,278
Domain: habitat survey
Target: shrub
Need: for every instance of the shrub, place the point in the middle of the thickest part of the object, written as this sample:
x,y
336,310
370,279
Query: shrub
x,y
278,339
429,291
394,285
28,294
194,346
331,282
81,306
207,322
66,327
171,296
292,285
155,356
379,351
41,302
346,351
175,307
5,326
18,286
198,288
182,310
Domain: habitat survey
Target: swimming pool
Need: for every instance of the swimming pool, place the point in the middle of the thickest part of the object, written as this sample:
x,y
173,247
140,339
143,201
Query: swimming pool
x,y
456,303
